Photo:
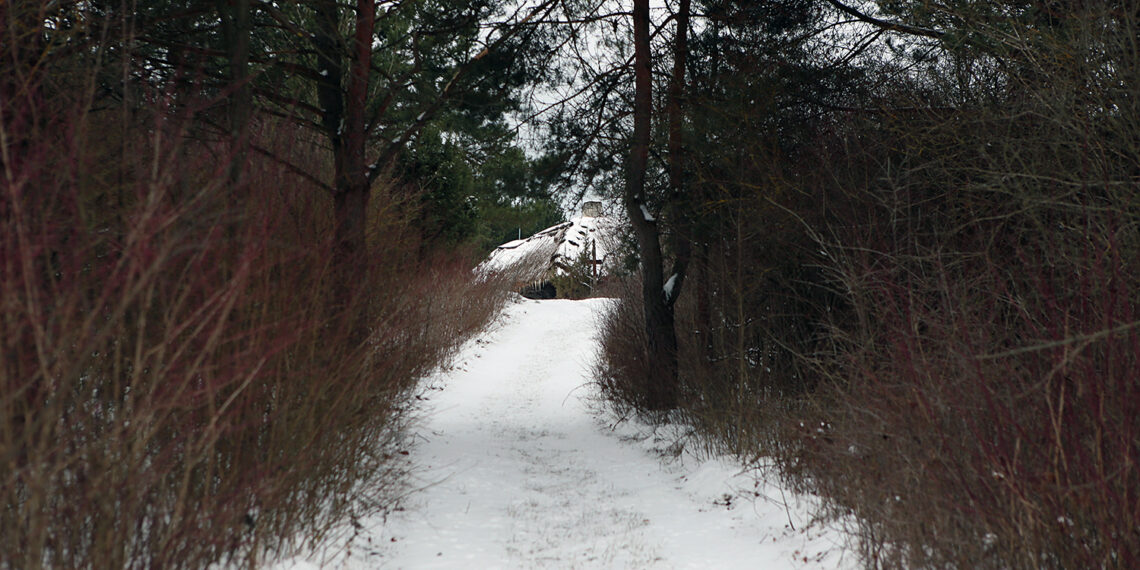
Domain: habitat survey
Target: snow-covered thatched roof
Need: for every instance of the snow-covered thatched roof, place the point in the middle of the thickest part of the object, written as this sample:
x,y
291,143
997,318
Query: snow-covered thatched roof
x,y
553,250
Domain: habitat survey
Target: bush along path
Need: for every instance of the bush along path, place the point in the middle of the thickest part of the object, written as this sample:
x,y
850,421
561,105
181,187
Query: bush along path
x,y
514,467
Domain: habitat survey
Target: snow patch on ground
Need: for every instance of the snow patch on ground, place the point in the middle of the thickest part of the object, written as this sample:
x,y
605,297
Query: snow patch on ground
x,y
515,469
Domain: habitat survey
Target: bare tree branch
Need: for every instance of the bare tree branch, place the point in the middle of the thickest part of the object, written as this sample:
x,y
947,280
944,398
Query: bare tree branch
x,y
887,25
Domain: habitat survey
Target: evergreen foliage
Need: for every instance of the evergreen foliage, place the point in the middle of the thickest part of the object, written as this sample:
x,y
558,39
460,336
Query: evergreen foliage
x,y
578,279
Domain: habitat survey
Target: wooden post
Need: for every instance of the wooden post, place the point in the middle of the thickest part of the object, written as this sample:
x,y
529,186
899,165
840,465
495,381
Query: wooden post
x,y
594,258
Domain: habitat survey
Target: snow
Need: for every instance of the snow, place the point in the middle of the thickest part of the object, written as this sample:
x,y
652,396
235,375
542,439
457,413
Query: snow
x,y
515,467
559,246
669,286
512,244
586,233
645,214
535,251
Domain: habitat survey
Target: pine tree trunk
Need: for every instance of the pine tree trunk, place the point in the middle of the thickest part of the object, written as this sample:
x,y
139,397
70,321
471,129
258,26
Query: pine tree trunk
x,y
344,121
236,28
352,202
661,385
678,206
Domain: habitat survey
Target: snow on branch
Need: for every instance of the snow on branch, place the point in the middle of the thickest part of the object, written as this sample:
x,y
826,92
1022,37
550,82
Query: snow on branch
x,y
668,288
645,213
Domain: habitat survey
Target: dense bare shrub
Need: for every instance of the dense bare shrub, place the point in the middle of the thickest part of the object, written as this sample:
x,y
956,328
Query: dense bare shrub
x,y
928,314
978,403
988,424
751,313
180,386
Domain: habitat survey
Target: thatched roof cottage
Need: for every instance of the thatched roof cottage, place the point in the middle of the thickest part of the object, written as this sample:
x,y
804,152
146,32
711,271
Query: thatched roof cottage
x,y
538,260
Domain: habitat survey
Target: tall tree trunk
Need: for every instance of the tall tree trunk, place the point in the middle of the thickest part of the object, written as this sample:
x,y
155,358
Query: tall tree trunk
x,y
344,120
21,46
661,388
704,308
352,198
679,209
236,28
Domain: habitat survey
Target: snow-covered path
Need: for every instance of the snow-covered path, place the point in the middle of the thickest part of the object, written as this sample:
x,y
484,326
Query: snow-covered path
x,y
515,471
